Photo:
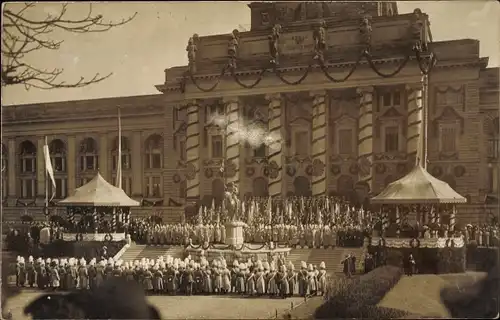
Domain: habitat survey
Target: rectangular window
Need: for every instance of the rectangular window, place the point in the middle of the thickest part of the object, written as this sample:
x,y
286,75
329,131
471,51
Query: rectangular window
x,y
493,148
61,189
28,188
260,152
126,184
156,187
125,162
345,141
182,149
217,146
386,99
448,139
392,139
59,164
29,165
153,161
396,98
302,143
89,162
5,191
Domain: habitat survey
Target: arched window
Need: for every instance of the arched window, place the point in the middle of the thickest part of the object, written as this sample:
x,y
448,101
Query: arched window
x,y
218,191
57,150
5,174
302,187
28,169
260,187
154,152
89,158
126,164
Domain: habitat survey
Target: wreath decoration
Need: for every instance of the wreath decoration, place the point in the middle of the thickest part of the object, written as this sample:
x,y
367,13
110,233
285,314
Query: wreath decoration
x,y
309,170
176,178
459,171
291,171
336,169
265,171
415,243
79,237
354,168
46,211
437,171
380,168
209,173
250,171
382,242
108,237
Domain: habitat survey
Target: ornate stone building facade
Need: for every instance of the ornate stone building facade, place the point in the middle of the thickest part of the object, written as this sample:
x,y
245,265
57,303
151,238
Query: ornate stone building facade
x,y
338,136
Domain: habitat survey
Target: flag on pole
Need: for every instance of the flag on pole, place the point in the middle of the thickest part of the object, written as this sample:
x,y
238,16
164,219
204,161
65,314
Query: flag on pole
x,y
119,165
48,168
269,210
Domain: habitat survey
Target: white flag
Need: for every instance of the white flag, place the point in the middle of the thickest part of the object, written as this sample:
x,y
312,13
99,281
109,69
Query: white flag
x,y
49,169
119,164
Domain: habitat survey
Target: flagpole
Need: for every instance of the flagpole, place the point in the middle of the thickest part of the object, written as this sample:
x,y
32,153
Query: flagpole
x,y
46,182
119,165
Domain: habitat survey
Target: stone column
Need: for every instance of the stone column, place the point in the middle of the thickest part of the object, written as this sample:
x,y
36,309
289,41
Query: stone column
x,y
71,164
365,137
103,157
232,143
318,143
414,104
40,169
193,152
275,149
13,164
137,165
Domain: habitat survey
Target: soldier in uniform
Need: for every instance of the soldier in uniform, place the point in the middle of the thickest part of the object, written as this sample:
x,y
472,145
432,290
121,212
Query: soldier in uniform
x,y
260,282
62,274
321,287
20,272
198,279
226,278
240,279
157,279
48,268
250,282
188,280
71,274
303,279
54,275
83,275
292,279
272,285
312,285
41,273
282,281
92,273
100,273
31,271
108,271
171,273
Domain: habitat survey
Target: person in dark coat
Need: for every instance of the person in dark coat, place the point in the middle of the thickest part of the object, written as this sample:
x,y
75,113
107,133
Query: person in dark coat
x,y
347,266
411,265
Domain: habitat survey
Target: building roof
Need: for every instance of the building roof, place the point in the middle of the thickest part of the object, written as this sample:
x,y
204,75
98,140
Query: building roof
x,y
98,193
418,186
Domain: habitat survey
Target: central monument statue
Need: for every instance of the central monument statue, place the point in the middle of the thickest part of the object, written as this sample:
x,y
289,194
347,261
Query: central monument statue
x,y
232,207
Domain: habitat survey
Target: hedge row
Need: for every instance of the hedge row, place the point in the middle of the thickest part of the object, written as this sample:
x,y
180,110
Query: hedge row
x,y
345,297
481,258
428,260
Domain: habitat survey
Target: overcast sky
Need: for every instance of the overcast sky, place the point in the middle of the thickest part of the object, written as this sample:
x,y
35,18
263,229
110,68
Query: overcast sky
x,y
156,39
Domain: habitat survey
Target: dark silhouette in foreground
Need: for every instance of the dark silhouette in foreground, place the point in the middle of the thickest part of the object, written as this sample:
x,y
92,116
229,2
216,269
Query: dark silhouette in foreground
x,y
115,299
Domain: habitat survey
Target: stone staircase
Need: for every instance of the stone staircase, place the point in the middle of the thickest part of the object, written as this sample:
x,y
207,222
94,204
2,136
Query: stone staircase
x,y
298,255
137,252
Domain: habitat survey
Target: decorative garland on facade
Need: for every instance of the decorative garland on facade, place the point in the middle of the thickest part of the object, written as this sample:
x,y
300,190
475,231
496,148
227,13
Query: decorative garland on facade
x,y
227,247
418,49
419,243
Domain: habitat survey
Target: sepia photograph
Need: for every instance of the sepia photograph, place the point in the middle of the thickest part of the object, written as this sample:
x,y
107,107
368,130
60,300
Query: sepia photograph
x,y
250,160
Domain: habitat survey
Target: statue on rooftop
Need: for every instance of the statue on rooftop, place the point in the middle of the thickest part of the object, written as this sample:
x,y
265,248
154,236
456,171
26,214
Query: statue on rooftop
x,y
319,37
191,50
365,31
274,43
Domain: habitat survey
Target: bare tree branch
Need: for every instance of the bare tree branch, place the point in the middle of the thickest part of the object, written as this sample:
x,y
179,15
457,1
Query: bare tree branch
x,y
22,36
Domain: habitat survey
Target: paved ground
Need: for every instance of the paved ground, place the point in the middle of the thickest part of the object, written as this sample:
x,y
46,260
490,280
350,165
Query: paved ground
x,y
181,307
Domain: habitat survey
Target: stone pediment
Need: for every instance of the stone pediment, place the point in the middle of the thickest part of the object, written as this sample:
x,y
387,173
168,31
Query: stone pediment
x,y
345,118
449,114
391,113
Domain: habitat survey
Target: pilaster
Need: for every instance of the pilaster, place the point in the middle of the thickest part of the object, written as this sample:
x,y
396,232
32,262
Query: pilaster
x,y
365,137
275,149
71,164
232,145
137,164
193,152
318,143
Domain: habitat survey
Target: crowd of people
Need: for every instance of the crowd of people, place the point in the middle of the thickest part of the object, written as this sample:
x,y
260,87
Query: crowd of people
x,y
313,236
166,275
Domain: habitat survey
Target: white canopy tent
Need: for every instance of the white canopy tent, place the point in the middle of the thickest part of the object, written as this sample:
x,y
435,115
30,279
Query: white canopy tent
x,y
418,187
99,193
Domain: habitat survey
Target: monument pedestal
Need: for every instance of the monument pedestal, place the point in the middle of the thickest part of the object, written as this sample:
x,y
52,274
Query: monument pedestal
x,y
234,233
